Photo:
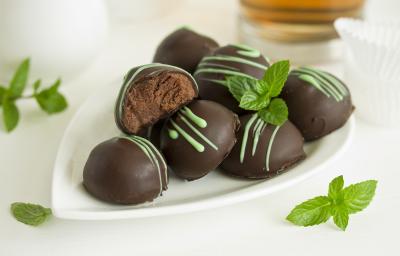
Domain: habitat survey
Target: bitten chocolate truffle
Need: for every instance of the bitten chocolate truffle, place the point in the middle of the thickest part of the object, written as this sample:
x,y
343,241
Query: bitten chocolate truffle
x,y
230,60
184,48
125,170
198,137
264,150
152,92
318,102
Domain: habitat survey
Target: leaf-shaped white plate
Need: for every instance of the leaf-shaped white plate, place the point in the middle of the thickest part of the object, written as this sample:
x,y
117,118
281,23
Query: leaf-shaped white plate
x,y
94,123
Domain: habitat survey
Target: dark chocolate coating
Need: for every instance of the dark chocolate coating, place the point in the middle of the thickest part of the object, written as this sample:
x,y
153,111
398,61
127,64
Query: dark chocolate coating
x,y
182,157
311,111
152,92
184,48
227,61
286,150
118,171
154,133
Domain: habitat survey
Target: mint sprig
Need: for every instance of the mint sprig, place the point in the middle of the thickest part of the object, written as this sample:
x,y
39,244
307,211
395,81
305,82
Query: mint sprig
x,y
49,99
30,214
260,95
339,204
275,113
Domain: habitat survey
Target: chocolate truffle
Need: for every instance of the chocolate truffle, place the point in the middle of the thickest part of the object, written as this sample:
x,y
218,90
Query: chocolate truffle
x,y
318,102
230,60
264,150
184,48
198,137
152,92
125,170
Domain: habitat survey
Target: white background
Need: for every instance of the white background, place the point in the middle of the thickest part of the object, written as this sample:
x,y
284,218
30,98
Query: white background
x,y
257,227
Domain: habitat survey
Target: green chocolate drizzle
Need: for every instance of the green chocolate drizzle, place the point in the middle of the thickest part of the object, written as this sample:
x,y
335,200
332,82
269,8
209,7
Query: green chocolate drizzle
x,y
198,146
245,136
198,133
216,64
247,51
186,114
153,154
173,134
233,59
323,81
271,141
221,71
258,128
200,122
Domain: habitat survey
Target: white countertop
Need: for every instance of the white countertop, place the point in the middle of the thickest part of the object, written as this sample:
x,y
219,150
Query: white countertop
x,y
256,227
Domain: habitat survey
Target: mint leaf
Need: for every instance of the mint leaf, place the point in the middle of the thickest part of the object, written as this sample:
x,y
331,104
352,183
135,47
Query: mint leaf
x,y
30,214
19,80
2,93
264,88
253,101
340,203
259,95
10,114
335,187
312,212
276,76
358,196
276,113
340,217
50,100
238,85
36,86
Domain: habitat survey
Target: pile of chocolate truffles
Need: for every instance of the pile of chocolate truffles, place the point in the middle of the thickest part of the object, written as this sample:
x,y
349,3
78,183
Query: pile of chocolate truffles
x,y
178,115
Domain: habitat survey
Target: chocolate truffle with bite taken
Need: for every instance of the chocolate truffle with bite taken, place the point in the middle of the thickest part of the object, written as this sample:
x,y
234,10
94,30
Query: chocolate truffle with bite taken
x,y
231,60
152,92
184,48
125,170
318,102
264,150
198,137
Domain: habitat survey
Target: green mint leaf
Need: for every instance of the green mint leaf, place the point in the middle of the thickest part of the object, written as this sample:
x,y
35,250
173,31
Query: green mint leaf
x,y
36,86
340,217
30,214
50,100
358,196
335,187
312,212
339,203
19,80
3,91
10,114
238,85
276,76
259,87
276,113
264,88
253,101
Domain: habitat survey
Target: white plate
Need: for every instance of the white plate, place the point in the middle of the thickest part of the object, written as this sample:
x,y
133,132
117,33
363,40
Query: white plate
x,y
94,122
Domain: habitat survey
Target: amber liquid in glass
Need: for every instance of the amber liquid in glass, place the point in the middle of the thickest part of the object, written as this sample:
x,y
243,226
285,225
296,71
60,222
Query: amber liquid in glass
x,y
294,21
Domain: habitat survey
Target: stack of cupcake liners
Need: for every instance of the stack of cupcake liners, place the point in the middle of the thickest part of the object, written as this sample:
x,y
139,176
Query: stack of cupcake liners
x,y
372,68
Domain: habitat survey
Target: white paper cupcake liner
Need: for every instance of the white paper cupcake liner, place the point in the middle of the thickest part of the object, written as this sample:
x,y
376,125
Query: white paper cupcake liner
x,y
373,45
373,103
372,69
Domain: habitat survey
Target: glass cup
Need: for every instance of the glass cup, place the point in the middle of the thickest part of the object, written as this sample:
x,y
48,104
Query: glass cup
x,y
301,30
